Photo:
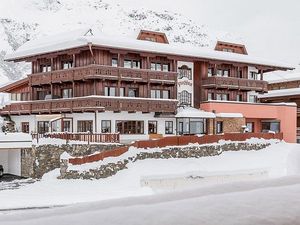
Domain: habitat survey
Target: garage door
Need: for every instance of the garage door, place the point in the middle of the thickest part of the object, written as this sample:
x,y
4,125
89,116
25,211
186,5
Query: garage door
x,y
10,159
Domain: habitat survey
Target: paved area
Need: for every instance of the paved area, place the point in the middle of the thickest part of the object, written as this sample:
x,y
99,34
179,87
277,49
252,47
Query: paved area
x,y
10,182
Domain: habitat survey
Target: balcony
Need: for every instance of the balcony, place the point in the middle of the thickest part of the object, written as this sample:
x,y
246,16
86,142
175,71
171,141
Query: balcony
x,y
90,104
235,83
102,72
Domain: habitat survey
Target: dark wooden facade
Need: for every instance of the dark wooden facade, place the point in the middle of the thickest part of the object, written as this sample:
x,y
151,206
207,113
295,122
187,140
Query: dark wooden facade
x,y
89,70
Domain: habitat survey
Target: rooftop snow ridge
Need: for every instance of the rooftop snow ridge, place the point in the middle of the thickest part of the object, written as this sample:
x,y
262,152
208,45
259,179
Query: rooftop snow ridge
x,y
80,38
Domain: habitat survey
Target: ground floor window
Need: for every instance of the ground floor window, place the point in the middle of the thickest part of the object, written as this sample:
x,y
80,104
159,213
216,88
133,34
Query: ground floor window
x,y
152,127
191,126
130,127
250,127
43,127
85,126
105,126
25,127
219,127
169,127
273,126
66,126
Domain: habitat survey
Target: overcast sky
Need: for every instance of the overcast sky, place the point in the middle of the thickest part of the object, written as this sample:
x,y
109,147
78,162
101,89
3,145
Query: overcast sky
x,y
270,28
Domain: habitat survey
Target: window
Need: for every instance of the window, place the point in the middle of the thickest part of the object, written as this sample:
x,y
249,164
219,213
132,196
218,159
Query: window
x,y
225,97
66,126
43,127
273,126
15,96
110,91
210,96
219,73
153,39
191,126
130,127
209,72
223,73
122,92
105,126
155,93
185,71
185,98
25,96
219,127
239,98
114,62
218,97
67,64
152,127
25,127
227,50
253,75
252,98
133,92
85,126
42,95
240,73
169,127
250,127
67,93
160,66
128,63
153,66
166,94
165,67
45,68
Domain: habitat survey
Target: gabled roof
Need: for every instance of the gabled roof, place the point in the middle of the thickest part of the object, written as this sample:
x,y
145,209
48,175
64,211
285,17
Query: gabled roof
x,y
14,84
85,38
281,93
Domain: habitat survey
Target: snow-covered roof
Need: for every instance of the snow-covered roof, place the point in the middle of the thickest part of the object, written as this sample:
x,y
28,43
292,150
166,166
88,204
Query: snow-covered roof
x,y
80,38
230,115
286,78
281,92
190,112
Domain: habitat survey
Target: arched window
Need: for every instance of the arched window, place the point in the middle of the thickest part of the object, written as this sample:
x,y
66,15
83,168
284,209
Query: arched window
x,y
185,98
185,71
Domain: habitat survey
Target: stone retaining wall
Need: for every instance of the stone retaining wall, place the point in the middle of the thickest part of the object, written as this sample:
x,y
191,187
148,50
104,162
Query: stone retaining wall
x,y
38,160
193,151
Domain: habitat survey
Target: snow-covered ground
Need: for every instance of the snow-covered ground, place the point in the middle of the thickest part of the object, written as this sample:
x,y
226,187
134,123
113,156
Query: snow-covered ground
x,y
265,202
278,160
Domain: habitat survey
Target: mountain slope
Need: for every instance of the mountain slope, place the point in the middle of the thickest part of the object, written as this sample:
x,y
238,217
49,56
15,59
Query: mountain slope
x,y
29,19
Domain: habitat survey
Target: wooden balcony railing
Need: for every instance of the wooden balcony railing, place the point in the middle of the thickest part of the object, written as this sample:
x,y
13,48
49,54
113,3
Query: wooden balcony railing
x,y
235,83
102,72
90,104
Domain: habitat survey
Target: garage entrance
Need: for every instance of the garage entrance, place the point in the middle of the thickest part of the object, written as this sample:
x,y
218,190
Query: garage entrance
x,y
10,151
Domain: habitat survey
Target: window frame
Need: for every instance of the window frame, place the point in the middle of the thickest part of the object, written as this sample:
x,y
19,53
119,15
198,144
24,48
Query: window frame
x,y
105,126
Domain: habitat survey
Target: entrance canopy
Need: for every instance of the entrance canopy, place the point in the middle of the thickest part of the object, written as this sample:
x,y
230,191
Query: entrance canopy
x,y
189,112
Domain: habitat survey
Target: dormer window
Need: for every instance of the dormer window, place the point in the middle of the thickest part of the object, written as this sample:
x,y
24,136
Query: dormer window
x,y
67,65
227,50
150,39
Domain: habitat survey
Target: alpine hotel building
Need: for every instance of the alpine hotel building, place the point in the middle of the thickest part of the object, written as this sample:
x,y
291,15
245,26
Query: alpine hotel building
x,y
142,88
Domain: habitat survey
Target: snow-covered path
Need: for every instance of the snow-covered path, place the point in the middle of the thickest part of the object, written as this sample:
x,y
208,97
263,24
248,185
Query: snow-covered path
x,y
279,160
274,201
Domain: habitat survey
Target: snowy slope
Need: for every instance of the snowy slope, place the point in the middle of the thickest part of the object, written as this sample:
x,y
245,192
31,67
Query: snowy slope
x,y
23,20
